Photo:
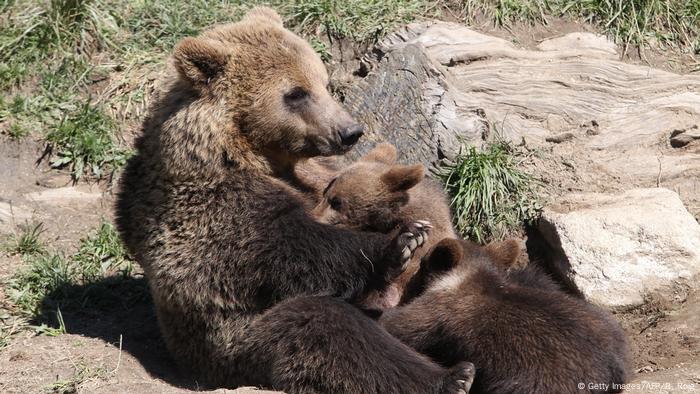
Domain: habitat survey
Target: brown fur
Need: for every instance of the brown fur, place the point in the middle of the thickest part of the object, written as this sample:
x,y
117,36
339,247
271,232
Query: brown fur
x,y
248,289
375,194
520,329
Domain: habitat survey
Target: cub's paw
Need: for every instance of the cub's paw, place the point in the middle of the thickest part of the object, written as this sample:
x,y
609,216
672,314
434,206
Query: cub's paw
x,y
412,237
459,379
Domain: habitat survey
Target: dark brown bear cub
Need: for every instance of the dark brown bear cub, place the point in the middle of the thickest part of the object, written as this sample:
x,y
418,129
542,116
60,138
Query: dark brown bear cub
x,y
523,333
376,194
248,288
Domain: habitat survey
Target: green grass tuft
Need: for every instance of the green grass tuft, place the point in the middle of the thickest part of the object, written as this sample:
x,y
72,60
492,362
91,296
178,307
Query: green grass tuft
x,y
45,274
101,255
84,141
36,32
361,20
506,12
52,279
28,241
82,373
635,22
490,196
638,21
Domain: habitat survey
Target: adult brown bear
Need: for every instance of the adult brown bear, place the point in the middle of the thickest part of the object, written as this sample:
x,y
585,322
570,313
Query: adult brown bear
x,y
248,289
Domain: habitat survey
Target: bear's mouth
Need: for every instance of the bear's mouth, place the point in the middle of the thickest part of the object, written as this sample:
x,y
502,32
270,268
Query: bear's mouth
x,y
321,146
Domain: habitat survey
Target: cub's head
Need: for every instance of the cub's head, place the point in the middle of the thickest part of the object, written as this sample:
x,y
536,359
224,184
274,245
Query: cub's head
x,y
270,85
368,193
448,263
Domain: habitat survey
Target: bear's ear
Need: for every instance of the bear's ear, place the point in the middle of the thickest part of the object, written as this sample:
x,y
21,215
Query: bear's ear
x,y
444,256
264,14
504,253
200,60
382,153
402,178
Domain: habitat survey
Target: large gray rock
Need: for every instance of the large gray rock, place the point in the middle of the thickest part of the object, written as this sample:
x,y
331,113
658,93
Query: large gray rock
x,y
621,247
616,125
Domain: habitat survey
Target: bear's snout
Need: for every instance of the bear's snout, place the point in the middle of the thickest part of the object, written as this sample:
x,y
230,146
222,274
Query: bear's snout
x,y
349,135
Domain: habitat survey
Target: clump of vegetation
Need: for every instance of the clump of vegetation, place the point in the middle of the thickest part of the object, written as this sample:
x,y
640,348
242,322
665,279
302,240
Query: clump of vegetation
x,y
28,240
52,278
45,274
505,12
637,22
361,20
101,255
38,31
82,373
490,196
84,141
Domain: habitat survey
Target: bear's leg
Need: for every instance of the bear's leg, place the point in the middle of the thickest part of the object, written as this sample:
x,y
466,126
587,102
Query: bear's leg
x,y
324,345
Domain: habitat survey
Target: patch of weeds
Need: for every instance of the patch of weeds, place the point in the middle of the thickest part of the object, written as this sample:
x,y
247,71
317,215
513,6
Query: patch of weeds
x,y
490,196
155,25
102,254
361,20
28,241
36,32
17,131
82,374
49,331
45,274
51,280
321,49
10,324
84,141
638,21
505,12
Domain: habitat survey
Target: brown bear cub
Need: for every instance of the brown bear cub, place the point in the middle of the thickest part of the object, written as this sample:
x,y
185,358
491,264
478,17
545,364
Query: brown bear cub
x,y
522,331
376,194
248,288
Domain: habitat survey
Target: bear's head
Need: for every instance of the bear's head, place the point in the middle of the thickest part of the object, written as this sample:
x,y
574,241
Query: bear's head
x,y
267,88
369,191
446,264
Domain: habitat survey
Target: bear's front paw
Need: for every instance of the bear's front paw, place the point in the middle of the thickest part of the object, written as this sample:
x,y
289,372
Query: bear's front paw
x,y
413,237
460,378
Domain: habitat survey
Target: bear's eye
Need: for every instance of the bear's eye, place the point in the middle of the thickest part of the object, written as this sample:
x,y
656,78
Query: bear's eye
x,y
335,203
296,97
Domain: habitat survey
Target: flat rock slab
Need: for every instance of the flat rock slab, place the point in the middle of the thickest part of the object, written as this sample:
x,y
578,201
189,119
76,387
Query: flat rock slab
x,y
70,195
619,248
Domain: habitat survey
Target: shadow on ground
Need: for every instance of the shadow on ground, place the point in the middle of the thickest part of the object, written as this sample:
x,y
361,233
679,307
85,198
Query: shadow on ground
x,y
114,308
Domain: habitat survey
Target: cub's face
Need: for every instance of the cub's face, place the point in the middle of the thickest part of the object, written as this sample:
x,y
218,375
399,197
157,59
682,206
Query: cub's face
x,y
369,193
274,85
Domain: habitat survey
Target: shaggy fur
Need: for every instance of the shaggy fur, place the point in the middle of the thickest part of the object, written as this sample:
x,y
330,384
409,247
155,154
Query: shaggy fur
x,y
375,194
247,287
521,330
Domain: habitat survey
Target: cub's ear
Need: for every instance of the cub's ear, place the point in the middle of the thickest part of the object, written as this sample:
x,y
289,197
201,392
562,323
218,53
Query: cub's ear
x,y
402,178
264,14
382,153
504,253
316,173
200,60
444,256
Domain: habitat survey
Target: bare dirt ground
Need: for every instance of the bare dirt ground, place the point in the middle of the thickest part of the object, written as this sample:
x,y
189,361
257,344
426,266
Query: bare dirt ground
x,y
113,344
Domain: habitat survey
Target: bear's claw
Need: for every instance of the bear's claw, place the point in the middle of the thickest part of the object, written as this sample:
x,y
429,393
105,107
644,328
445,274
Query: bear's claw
x,y
413,239
460,378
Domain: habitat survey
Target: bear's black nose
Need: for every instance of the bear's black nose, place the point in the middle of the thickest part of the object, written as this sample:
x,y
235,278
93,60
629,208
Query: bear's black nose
x,y
350,135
